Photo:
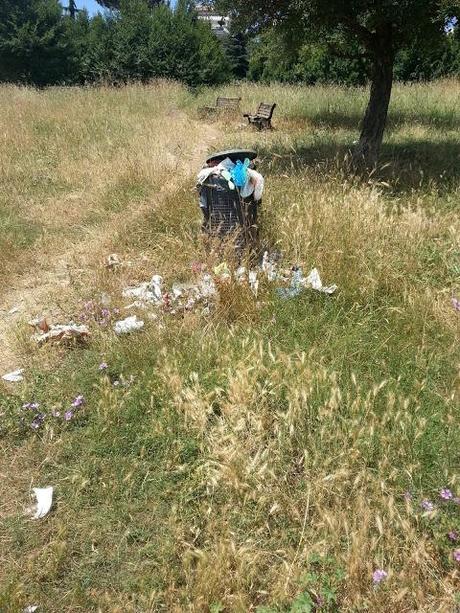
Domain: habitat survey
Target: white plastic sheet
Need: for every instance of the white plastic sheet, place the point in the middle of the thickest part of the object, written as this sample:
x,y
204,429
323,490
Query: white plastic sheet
x,y
44,496
15,376
130,324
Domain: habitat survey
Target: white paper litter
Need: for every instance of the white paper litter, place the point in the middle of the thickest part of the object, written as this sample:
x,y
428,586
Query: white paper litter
x,y
113,261
31,608
146,292
314,281
130,324
59,332
44,497
15,376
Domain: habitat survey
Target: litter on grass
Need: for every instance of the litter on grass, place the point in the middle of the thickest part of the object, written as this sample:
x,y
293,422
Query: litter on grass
x,y
130,324
113,261
44,496
146,292
15,376
59,332
189,296
31,608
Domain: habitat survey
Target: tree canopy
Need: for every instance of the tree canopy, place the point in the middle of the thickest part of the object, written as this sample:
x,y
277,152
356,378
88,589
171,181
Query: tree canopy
x,y
373,30
115,4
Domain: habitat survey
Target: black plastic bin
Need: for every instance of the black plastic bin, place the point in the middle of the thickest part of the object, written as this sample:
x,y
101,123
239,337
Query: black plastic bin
x,y
226,214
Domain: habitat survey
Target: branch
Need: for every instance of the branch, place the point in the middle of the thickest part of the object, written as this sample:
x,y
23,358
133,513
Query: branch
x,y
363,33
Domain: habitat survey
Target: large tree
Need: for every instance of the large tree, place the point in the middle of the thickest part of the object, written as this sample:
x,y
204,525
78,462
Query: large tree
x,y
378,28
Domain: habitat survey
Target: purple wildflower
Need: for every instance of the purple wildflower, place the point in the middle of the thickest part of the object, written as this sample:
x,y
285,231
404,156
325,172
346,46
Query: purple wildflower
x,y
105,312
78,401
457,555
452,536
37,421
379,575
456,304
427,505
68,415
103,366
446,494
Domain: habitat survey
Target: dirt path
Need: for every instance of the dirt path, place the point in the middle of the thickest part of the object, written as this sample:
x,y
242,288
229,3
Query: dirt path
x,y
36,291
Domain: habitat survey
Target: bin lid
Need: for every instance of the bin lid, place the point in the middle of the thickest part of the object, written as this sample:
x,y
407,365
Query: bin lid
x,y
233,154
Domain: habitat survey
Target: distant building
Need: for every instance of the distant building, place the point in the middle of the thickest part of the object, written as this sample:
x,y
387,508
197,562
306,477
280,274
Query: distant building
x,y
219,23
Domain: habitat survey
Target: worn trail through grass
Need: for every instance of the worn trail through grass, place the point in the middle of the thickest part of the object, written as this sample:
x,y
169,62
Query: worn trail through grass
x,y
36,284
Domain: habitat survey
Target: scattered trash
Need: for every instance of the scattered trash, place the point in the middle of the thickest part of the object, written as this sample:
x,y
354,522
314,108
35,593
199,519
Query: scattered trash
x,y
187,296
44,501
146,292
299,282
314,281
31,608
58,332
130,324
113,261
15,376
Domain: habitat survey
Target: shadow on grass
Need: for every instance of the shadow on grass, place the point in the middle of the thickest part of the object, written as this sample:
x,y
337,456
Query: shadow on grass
x,y
396,119
406,165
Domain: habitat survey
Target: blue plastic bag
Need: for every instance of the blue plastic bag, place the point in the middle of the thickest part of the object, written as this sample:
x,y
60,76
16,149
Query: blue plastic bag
x,y
239,173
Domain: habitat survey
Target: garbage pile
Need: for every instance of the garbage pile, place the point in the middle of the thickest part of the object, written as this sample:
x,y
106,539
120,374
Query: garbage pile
x,y
203,293
238,175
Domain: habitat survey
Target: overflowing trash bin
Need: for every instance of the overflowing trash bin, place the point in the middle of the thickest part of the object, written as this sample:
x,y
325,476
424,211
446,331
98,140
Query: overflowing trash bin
x,y
230,191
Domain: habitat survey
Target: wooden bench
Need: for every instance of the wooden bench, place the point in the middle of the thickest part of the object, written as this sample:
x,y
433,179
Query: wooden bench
x,y
263,117
222,105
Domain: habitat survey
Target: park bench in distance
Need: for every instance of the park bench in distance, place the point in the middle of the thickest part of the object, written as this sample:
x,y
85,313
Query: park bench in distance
x,y
263,117
222,105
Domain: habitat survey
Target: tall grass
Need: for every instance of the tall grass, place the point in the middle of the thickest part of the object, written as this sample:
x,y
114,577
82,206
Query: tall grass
x,y
268,457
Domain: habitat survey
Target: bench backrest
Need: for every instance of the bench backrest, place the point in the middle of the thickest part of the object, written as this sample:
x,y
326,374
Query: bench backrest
x,y
228,103
265,110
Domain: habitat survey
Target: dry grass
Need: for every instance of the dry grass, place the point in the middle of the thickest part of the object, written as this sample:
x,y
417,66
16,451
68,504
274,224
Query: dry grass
x,y
259,459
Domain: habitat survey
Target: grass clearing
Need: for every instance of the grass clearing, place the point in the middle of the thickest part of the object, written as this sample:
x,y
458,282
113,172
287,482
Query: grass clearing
x,y
256,459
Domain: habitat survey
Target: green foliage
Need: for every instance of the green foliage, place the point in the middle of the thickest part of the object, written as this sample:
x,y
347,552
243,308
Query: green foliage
x,y
34,47
115,4
39,45
237,55
272,59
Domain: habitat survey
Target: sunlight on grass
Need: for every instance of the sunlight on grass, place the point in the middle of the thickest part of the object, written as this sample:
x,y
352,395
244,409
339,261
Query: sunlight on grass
x,y
273,454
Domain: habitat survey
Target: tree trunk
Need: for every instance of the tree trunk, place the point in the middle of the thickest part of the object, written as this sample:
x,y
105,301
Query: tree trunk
x,y
373,125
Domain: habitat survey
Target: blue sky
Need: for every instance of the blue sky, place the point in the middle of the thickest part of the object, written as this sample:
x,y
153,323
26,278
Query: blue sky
x,y
90,5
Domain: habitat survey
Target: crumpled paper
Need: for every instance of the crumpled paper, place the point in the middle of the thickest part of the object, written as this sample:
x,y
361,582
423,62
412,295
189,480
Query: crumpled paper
x,y
15,376
146,292
130,324
299,282
44,496
59,332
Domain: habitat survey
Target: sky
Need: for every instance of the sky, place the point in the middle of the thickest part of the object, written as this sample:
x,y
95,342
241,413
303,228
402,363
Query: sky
x,y
90,5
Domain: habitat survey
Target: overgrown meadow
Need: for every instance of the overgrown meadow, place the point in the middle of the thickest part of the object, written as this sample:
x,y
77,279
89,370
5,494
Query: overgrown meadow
x,y
271,455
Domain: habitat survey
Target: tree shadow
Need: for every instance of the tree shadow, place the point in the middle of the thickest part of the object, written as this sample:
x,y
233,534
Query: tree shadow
x,y
406,165
396,119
